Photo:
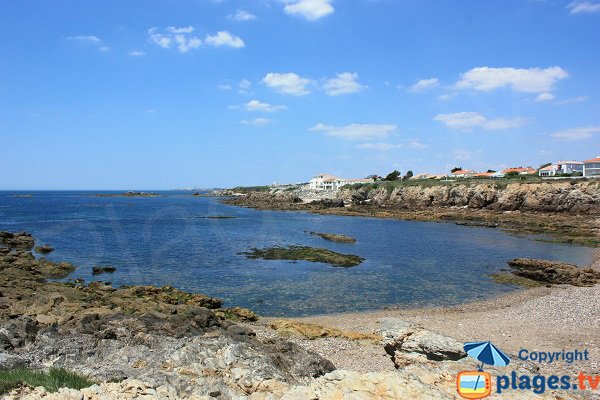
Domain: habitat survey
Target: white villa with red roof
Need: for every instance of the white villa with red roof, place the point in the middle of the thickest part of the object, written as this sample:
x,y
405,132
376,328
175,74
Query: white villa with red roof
x,y
332,182
591,168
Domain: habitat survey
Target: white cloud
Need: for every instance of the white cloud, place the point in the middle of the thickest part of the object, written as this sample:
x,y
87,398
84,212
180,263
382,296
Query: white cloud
x,y
584,132
288,83
573,100
544,97
424,84
136,53
413,144
183,29
469,120
244,86
312,10
85,39
256,122
447,96
224,38
343,83
255,105
225,86
182,38
355,131
463,155
241,15
532,80
578,7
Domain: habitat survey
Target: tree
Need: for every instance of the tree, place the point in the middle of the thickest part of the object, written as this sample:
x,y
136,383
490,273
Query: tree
x,y
393,176
408,175
490,171
455,169
511,174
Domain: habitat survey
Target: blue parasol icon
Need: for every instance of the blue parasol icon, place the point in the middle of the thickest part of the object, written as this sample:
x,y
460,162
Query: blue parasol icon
x,y
487,353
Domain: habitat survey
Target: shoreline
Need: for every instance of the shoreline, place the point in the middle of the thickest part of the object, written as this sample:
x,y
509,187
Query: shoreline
x,y
561,317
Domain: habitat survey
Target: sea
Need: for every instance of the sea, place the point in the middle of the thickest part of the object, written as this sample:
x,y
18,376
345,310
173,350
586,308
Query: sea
x,y
170,240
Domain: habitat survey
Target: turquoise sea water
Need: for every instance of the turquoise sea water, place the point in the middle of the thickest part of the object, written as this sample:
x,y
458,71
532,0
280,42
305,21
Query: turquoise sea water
x,y
168,240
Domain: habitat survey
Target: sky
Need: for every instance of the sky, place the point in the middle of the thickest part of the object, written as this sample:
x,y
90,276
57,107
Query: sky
x,y
119,94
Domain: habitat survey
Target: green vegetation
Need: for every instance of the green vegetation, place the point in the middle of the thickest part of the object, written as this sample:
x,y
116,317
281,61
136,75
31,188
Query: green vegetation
x,y
247,189
311,254
511,279
392,176
52,380
334,237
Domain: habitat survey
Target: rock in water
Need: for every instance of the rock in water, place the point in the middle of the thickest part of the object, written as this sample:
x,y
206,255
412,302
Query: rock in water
x,y
45,249
554,272
102,270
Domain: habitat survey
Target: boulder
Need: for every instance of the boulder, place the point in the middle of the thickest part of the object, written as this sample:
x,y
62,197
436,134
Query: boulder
x,y
407,343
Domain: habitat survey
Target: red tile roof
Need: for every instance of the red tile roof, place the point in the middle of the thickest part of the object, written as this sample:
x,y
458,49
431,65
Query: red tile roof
x,y
596,159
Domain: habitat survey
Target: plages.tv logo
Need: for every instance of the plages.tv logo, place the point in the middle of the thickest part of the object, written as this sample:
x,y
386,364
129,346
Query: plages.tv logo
x,y
478,384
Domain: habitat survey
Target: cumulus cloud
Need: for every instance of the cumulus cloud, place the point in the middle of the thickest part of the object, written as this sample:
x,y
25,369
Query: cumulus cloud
x,y
256,105
544,97
225,86
85,39
355,131
579,7
469,120
584,132
241,15
183,39
224,38
312,10
424,84
532,80
256,121
136,53
288,83
343,83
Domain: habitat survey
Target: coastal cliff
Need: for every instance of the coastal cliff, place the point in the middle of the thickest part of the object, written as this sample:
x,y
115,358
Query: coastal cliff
x,y
566,209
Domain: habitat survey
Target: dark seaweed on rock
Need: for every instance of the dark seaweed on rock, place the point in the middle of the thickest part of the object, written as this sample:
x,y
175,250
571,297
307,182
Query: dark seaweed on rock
x,y
305,253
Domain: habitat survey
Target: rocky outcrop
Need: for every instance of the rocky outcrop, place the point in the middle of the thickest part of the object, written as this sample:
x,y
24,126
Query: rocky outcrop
x,y
574,197
407,344
554,272
19,240
163,336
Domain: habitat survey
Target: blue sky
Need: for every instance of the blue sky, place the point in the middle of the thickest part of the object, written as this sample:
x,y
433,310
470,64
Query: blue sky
x,y
179,93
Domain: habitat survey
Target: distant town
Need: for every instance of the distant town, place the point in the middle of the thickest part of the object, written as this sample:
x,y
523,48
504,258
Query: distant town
x,y
560,169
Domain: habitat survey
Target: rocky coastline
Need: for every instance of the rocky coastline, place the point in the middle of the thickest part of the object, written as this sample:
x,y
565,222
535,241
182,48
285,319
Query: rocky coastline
x,y
145,342
567,211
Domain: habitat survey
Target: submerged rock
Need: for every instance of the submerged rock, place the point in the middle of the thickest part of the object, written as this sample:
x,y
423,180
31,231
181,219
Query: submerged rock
x,y
554,272
45,249
102,270
312,254
335,237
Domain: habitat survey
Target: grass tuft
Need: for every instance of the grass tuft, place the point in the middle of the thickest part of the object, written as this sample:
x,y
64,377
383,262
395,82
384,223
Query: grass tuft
x,y
51,380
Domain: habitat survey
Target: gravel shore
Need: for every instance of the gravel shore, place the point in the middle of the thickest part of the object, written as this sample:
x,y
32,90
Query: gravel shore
x,y
539,319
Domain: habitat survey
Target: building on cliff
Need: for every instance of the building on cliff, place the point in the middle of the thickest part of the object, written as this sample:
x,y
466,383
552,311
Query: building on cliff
x,y
562,167
332,182
591,168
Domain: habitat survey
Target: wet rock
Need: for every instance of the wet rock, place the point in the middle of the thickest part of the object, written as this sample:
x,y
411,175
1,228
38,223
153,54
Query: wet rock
x,y
19,240
554,272
334,237
45,249
407,343
102,270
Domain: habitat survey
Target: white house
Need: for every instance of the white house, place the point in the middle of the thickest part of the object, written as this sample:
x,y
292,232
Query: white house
x,y
569,167
562,167
332,182
463,173
591,168
550,170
